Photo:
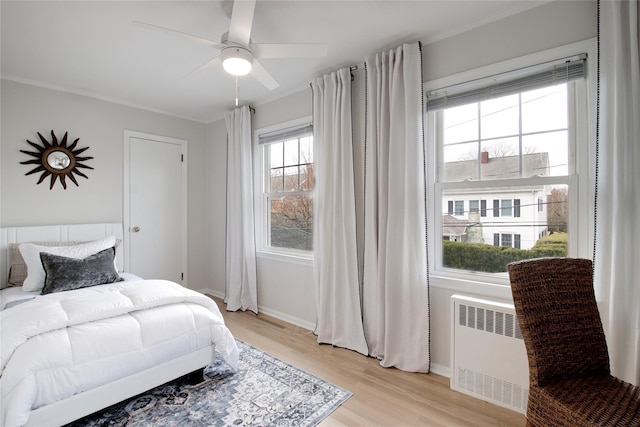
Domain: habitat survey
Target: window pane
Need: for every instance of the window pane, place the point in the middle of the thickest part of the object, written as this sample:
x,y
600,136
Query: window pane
x,y
460,162
502,159
291,178
461,124
291,152
276,180
546,154
474,206
306,150
544,109
468,240
500,117
307,178
291,222
275,153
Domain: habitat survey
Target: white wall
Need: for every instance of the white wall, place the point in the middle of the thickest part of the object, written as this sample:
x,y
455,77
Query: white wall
x,y
285,289
99,125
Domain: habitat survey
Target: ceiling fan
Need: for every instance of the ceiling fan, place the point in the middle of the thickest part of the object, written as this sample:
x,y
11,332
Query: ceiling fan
x,y
239,56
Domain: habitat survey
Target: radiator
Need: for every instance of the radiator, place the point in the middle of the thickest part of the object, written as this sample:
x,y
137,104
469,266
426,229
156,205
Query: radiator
x,y
488,357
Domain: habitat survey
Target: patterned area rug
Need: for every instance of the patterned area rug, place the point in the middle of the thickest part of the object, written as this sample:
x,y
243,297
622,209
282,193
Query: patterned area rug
x,y
264,392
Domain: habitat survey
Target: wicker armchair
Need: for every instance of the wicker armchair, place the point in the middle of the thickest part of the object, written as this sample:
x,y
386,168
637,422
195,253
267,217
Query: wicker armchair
x,y
569,377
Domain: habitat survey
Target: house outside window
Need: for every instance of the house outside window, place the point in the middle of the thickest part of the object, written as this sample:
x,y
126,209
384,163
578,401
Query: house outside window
x,y
513,150
286,190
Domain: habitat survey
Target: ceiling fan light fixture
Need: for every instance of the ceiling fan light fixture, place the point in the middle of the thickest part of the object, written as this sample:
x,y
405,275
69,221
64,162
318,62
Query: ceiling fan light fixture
x,y
237,60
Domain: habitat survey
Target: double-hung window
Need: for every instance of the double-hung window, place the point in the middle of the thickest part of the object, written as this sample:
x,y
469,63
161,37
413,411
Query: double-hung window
x,y
286,189
507,145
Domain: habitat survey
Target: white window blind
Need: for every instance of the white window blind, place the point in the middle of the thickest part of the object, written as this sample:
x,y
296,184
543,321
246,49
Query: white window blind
x,y
286,134
528,78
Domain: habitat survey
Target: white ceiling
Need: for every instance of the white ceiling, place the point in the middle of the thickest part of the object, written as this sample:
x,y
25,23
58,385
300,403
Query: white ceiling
x,y
93,48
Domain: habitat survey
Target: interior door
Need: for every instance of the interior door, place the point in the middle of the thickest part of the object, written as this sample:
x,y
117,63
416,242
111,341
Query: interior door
x,y
155,207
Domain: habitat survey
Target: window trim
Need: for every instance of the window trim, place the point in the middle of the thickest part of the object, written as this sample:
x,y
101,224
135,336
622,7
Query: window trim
x,y
580,209
261,200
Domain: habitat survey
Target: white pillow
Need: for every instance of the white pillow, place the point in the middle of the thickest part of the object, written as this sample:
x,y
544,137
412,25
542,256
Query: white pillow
x,y
31,254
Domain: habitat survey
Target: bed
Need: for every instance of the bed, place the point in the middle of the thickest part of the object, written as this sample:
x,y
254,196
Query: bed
x,y
77,344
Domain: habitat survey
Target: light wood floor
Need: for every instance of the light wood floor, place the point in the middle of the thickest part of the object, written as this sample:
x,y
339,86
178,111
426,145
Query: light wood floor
x,y
381,396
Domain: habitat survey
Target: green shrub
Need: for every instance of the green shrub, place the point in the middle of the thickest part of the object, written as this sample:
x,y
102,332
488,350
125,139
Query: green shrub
x,y
494,259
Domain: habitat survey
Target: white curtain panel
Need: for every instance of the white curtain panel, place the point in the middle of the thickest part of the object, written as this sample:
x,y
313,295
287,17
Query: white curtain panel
x,y
395,287
617,270
241,287
335,254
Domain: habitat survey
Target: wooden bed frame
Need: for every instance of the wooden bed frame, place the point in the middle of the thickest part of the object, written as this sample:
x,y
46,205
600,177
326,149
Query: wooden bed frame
x,y
90,401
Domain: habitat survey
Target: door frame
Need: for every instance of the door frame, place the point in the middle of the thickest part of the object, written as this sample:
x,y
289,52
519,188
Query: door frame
x,y
128,134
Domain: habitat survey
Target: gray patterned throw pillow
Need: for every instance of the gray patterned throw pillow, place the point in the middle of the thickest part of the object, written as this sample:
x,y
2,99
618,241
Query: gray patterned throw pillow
x,y
65,274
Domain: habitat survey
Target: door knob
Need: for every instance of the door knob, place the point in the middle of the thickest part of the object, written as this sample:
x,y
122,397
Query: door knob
x,y
135,229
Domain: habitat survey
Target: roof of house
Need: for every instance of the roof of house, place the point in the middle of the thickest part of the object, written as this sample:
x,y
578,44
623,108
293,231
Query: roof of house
x,y
452,226
506,167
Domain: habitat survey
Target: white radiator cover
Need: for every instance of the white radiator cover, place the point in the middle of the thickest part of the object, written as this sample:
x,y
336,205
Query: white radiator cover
x,y
488,357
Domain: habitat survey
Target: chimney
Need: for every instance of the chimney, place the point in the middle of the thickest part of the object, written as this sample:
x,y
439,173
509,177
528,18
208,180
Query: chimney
x,y
484,157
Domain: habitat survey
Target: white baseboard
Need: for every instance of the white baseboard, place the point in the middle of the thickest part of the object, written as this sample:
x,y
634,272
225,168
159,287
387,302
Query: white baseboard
x,y
441,370
289,319
435,368
210,291
273,313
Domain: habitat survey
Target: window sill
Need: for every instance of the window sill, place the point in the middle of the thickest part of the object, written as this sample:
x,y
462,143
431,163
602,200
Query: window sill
x,y
289,258
471,286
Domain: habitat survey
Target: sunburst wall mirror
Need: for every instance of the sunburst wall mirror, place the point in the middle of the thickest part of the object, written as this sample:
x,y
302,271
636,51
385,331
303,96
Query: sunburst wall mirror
x,y
57,160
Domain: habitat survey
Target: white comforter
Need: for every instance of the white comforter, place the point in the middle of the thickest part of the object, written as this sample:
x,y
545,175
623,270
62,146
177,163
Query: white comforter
x,y
60,344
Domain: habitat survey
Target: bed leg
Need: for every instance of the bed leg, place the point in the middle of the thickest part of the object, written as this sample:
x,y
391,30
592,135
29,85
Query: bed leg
x,y
195,377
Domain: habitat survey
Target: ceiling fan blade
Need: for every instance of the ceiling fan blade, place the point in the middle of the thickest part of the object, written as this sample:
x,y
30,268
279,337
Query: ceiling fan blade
x,y
241,21
210,63
191,37
263,76
286,50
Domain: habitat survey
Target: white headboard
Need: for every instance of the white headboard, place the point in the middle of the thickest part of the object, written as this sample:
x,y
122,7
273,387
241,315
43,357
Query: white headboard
x,y
56,233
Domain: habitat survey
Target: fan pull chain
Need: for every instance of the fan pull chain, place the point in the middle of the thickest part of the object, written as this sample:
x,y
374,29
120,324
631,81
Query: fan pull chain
x,y
237,90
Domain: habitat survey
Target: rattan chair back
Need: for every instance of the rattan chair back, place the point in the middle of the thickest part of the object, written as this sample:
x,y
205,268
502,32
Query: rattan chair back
x,y
559,318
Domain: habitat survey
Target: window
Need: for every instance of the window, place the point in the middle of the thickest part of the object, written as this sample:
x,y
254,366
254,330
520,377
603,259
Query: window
x,y
455,207
459,207
509,139
506,240
287,190
505,208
